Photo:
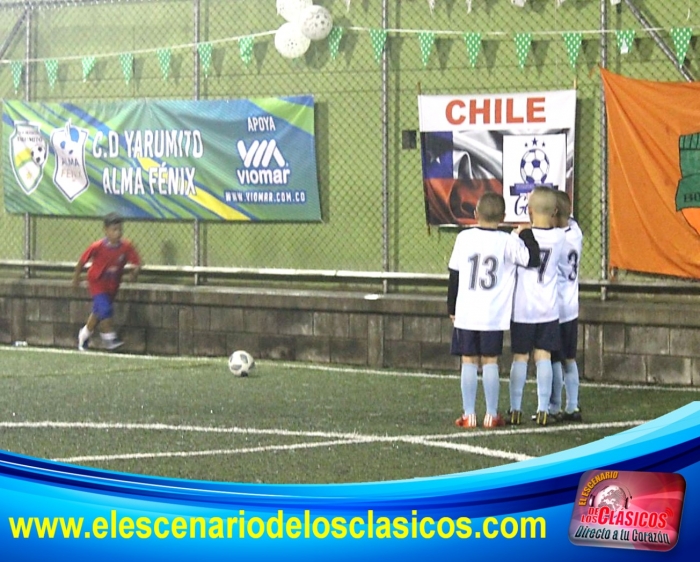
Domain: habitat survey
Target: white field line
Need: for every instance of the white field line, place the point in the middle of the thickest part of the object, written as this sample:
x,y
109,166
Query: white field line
x,y
320,434
329,368
484,451
336,438
507,455
215,452
523,430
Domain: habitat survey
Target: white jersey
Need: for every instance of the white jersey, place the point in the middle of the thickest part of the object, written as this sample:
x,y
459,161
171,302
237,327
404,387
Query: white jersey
x,y
535,300
568,273
486,260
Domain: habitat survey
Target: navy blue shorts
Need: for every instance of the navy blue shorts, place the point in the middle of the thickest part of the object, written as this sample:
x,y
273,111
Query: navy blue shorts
x,y
569,341
472,343
526,337
102,306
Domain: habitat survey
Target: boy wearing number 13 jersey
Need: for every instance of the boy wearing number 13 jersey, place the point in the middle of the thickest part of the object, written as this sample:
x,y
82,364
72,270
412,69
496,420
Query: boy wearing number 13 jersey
x,y
535,325
479,300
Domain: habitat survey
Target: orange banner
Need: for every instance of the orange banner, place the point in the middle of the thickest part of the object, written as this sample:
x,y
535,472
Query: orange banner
x,y
654,175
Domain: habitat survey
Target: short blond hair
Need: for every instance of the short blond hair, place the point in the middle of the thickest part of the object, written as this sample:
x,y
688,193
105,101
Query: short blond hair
x,y
563,204
543,201
491,207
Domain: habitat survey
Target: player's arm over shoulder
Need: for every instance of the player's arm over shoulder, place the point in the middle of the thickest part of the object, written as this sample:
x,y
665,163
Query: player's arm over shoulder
x,y
523,248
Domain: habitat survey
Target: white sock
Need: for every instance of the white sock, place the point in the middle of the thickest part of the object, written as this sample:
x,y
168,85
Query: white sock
x,y
571,382
84,332
491,387
544,384
468,384
557,385
518,375
109,336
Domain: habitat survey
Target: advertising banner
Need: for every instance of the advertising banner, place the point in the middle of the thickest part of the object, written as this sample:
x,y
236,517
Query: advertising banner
x,y
231,160
507,143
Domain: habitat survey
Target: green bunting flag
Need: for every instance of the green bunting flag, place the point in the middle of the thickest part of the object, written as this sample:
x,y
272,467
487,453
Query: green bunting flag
x,y
334,38
126,60
473,41
426,40
88,65
522,47
204,50
378,37
625,40
573,46
245,45
51,71
17,68
681,40
164,56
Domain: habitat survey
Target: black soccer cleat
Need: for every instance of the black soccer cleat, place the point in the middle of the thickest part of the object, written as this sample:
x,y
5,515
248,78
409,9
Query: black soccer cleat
x,y
574,416
514,417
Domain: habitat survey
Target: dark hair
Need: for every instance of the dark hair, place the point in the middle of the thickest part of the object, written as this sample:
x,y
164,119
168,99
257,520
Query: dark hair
x,y
112,219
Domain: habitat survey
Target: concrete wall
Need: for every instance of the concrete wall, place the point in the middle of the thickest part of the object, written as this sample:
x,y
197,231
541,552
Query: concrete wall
x,y
618,341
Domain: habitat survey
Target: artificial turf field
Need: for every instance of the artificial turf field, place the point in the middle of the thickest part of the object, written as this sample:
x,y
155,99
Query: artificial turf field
x,y
286,423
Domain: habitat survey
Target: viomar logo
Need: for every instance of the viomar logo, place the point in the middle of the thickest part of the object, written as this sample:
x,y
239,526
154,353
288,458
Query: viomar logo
x,y
263,164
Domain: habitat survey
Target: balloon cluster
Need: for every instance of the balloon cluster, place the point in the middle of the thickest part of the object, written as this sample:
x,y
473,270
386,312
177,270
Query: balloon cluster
x,y
305,23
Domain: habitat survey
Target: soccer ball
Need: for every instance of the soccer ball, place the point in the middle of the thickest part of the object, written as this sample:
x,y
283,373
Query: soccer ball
x,y
39,154
534,166
240,363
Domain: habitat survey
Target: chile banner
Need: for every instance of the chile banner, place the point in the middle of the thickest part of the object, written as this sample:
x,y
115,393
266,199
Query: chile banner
x,y
233,160
507,143
654,186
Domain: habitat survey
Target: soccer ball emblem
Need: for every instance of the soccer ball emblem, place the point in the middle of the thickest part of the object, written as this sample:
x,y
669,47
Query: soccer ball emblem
x,y
39,154
240,363
534,166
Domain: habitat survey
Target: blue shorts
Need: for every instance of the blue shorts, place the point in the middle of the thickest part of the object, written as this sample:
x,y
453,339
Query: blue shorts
x,y
472,343
102,306
526,337
569,341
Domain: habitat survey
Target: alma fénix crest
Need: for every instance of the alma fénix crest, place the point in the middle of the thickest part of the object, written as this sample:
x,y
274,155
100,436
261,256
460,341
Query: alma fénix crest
x,y
28,152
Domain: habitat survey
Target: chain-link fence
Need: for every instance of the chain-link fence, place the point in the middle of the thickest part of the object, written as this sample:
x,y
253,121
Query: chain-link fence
x,y
366,107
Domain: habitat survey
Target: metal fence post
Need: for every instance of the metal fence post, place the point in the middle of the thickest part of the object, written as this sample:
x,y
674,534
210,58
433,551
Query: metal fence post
x,y
603,155
385,153
27,251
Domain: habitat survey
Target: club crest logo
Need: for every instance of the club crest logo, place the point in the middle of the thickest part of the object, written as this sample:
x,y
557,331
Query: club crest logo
x,y
535,166
688,190
28,152
70,175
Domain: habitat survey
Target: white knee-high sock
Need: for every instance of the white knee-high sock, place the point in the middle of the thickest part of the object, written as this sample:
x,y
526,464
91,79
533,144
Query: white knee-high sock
x,y
491,387
557,386
518,374
544,384
571,383
468,383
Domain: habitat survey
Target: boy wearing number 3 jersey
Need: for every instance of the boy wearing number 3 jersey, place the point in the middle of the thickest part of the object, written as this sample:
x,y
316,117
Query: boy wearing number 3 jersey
x,y
479,300
535,325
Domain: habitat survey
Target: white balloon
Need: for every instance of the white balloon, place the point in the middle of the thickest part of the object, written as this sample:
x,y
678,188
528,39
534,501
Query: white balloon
x,y
290,42
292,9
316,22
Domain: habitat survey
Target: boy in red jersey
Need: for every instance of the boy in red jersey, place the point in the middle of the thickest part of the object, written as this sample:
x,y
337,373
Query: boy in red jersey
x,y
108,256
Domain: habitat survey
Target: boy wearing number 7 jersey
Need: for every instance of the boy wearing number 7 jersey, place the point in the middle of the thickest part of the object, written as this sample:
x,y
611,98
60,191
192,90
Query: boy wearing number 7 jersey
x,y
535,325
479,300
